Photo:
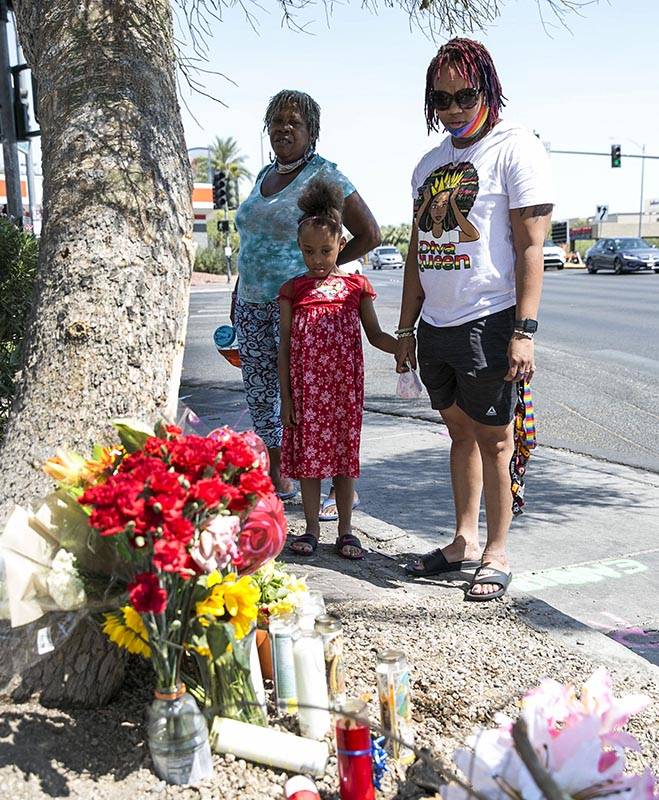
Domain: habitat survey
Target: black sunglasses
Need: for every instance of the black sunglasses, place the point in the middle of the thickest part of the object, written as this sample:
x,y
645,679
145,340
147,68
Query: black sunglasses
x,y
465,98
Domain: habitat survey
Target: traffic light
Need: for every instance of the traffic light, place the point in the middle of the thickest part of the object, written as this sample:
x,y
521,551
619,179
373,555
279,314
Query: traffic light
x,y
559,232
219,189
233,198
616,155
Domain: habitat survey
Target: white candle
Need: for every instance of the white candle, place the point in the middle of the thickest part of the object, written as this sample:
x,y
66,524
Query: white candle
x,y
313,703
268,746
257,676
311,605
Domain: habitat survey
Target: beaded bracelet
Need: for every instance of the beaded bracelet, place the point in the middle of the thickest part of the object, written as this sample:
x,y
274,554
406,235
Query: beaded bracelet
x,y
404,335
404,330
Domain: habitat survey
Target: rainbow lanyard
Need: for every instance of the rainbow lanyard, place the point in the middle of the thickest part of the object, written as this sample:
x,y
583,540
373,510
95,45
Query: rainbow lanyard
x,y
473,128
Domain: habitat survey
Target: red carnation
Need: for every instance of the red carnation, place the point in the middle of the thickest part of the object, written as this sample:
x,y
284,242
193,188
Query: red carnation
x,y
262,536
256,482
171,555
146,594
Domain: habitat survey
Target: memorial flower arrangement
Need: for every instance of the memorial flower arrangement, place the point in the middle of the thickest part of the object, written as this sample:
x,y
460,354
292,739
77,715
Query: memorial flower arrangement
x,y
190,516
577,739
279,591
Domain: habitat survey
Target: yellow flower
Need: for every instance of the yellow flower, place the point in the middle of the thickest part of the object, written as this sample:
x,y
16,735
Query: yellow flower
x,y
212,605
231,599
126,629
102,463
66,467
240,599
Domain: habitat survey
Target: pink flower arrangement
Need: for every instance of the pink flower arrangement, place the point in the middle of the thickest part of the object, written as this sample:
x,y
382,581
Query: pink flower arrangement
x,y
578,739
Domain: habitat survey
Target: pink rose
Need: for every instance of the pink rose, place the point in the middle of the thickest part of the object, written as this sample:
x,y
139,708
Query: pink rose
x,y
263,535
218,544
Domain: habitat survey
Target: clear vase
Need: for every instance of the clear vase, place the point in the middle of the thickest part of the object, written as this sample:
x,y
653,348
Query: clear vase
x,y
178,738
232,689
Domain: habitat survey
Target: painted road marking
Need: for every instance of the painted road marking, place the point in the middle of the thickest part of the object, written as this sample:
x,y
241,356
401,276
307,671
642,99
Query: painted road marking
x,y
578,574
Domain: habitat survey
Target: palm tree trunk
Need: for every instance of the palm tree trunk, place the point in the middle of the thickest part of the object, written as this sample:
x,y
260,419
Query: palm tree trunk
x,y
107,330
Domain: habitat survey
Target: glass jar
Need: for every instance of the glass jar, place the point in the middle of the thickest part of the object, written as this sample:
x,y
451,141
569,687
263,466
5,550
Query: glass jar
x,y
178,738
331,629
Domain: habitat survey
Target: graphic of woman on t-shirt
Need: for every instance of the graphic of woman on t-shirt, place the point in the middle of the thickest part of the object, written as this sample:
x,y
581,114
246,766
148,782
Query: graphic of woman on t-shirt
x,y
445,199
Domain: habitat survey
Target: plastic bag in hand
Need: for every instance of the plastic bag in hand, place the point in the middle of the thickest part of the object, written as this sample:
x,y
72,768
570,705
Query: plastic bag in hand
x,y
409,385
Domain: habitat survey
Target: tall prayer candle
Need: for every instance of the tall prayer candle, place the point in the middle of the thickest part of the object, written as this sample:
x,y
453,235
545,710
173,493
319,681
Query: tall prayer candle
x,y
353,747
312,699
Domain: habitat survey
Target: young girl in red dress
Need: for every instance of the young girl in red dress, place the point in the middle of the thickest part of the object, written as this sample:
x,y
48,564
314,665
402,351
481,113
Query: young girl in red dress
x,y
321,367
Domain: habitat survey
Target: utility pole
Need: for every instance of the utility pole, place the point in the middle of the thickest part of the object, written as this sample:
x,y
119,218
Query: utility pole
x,y
8,125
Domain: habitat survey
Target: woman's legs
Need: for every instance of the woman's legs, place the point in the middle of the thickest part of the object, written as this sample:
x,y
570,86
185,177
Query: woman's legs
x,y
495,443
257,329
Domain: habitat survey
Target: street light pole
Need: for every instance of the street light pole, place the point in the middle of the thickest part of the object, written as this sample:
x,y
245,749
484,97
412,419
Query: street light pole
x,y
640,212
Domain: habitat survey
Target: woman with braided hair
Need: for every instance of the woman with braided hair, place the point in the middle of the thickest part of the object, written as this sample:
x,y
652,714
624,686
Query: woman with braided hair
x,y
482,205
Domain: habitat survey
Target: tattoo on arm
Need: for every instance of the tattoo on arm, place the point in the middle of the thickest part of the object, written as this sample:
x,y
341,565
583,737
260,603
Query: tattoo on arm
x,y
536,211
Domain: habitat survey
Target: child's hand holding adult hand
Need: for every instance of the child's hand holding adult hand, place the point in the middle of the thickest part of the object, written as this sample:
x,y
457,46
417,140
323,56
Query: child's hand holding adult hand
x,y
405,354
287,414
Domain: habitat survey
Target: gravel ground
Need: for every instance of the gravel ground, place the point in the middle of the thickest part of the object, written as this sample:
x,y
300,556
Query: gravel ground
x,y
468,661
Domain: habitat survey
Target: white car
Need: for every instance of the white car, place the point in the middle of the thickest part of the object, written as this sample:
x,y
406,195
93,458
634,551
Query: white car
x,y
386,256
554,256
355,267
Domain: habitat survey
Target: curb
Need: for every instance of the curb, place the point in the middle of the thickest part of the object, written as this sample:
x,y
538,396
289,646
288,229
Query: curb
x,y
535,613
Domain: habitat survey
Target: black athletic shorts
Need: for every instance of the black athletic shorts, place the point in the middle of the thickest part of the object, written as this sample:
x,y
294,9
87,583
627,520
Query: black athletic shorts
x,y
465,364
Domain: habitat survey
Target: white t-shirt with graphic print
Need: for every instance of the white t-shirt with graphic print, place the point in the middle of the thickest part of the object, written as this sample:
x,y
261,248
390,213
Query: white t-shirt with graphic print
x,y
465,280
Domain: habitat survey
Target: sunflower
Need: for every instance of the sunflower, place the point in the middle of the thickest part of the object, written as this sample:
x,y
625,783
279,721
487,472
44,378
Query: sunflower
x,y
102,463
126,629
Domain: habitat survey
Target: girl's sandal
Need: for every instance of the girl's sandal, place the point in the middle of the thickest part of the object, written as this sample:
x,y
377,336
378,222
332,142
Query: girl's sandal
x,y
305,539
349,540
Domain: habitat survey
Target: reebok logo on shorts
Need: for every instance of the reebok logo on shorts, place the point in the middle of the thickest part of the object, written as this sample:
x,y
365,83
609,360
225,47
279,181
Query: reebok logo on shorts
x,y
491,412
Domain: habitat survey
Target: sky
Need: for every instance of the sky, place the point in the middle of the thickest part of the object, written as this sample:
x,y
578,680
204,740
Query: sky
x,y
585,88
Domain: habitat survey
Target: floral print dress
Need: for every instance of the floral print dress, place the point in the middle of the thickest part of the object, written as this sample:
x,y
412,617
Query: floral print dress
x,y
326,374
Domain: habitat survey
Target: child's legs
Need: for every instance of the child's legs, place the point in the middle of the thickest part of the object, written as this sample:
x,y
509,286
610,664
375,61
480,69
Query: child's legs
x,y
345,493
310,488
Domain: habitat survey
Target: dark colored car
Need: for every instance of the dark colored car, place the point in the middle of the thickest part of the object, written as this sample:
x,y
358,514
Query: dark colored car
x,y
623,254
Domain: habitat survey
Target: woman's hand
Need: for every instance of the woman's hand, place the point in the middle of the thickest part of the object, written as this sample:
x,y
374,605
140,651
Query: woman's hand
x,y
521,359
287,413
405,354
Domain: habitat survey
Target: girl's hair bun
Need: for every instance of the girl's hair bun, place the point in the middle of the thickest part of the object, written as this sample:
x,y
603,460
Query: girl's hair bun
x,y
322,204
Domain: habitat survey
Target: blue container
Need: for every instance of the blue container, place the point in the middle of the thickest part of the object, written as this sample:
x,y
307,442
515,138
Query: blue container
x,y
225,337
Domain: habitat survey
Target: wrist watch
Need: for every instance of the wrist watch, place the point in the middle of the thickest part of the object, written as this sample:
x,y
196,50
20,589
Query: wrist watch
x,y
526,325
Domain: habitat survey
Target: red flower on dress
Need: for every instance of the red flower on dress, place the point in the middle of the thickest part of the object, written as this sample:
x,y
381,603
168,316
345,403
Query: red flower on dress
x,y
146,594
263,535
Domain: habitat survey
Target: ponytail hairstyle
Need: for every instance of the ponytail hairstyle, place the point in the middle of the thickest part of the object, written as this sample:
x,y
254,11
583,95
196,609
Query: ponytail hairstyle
x,y
321,204
473,63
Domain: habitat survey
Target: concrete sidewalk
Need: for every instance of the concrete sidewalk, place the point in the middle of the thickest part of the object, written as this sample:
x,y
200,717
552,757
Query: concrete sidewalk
x,y
587,548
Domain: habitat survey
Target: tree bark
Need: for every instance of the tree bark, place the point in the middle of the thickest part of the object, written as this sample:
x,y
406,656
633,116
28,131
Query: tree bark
x,y
107,330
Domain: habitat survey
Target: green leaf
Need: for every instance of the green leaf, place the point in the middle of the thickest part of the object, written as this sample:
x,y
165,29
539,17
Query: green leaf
x,y
219,636
133,433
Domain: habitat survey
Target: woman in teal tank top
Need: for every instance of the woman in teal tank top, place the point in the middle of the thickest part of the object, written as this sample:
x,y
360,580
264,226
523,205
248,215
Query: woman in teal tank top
x,y
269,255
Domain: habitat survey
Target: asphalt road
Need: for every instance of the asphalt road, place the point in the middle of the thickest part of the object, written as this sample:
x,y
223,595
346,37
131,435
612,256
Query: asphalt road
x,y
597,385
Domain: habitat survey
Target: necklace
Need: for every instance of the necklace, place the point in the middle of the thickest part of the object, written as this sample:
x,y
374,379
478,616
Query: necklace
x,y
285,169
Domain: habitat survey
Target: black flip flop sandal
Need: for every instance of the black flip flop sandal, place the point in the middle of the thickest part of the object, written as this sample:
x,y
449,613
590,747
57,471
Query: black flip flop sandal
x,y
484,575
305,538
348,540
435,563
